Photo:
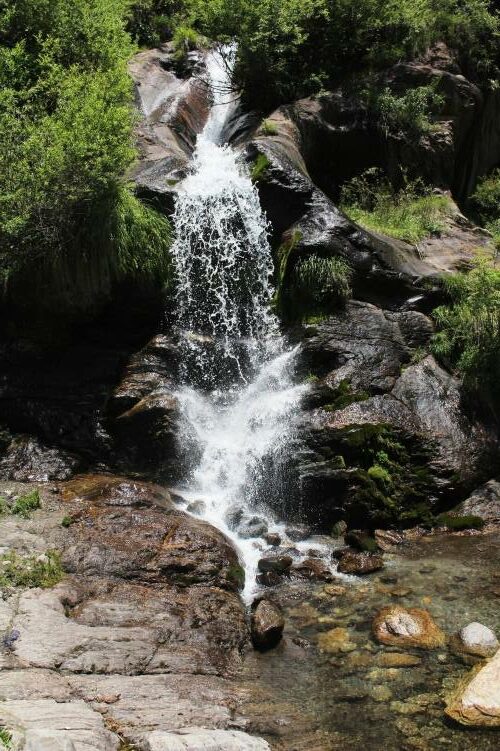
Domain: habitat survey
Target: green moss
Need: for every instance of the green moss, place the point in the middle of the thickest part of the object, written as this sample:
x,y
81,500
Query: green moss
x,y
25,504
459,522
269,128
259,168
30,571
343,395
67,521
236,574
380,474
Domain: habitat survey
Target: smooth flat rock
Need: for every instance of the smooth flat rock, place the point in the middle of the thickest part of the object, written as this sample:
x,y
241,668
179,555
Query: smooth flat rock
x,y
199,739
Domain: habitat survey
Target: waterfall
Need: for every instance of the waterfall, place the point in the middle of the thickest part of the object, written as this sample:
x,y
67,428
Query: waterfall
x,y
237,394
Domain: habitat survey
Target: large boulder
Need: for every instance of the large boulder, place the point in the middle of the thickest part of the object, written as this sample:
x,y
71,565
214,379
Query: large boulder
x,y
476,700
483,502
267,624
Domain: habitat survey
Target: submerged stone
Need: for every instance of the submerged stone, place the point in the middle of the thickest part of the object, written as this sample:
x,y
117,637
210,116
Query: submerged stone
x,y
476,700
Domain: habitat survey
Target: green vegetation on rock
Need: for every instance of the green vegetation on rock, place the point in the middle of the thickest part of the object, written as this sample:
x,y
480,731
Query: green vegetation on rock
x,y
25,504
69,226
5,738
485,204
458,523
411,213
43,570
468,336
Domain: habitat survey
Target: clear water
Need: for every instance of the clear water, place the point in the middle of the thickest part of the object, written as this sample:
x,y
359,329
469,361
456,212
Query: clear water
x,y
238,394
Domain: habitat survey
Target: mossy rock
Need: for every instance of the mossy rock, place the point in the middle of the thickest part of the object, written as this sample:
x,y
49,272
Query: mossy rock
x,y
458,523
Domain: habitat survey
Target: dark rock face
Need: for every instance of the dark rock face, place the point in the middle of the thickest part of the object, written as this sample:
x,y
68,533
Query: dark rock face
x,y
340,138
28,460
279,564
267,625
378,430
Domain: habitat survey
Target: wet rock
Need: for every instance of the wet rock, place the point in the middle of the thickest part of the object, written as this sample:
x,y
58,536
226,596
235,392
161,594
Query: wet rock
x,y
253,527
387,539
398,660
268,579
361,540
29,460
336,640
267,624
278,564
196,507
334,590
298,532
476,700
146,538
360,563
401,591
475,639
314,569
173,111
273,538
412,627
483,502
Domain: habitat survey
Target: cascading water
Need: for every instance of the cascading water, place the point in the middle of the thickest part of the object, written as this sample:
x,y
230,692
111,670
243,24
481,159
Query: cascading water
x,y
237,395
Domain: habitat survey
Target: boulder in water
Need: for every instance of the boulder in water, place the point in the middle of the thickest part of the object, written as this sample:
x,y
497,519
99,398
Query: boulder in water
x,y
412,627
476,640
267,624
359,563
313,568
361,540
273,538
476,700
279,564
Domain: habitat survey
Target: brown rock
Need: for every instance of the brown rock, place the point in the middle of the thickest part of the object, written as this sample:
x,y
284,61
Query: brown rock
x,y
313,568
279,564
273,538
412,627
398,660
360,563
387,539
267,624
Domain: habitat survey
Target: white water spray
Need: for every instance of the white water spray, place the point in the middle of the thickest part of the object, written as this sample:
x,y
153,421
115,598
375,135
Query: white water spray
x,y
238,397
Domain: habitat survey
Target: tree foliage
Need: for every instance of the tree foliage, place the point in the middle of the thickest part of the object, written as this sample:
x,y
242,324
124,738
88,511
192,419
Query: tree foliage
x,y
468,336
66,123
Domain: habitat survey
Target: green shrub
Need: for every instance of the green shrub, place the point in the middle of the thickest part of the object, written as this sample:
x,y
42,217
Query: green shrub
x,y
184,40
468,336
410,213
380,474
30,571
25,504
66,119
411,113
485,204
313,286
459,522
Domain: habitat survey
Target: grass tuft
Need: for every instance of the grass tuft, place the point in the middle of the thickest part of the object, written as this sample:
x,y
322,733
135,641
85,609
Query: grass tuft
x,y
43,570
25,504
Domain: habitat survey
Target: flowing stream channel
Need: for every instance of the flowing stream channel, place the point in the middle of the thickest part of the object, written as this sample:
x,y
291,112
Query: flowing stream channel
x,y
238,395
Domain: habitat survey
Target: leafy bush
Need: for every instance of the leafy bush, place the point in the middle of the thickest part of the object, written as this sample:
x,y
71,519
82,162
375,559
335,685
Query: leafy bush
x,y
468,336
30,571
410,213
485,204
411,113
66,122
